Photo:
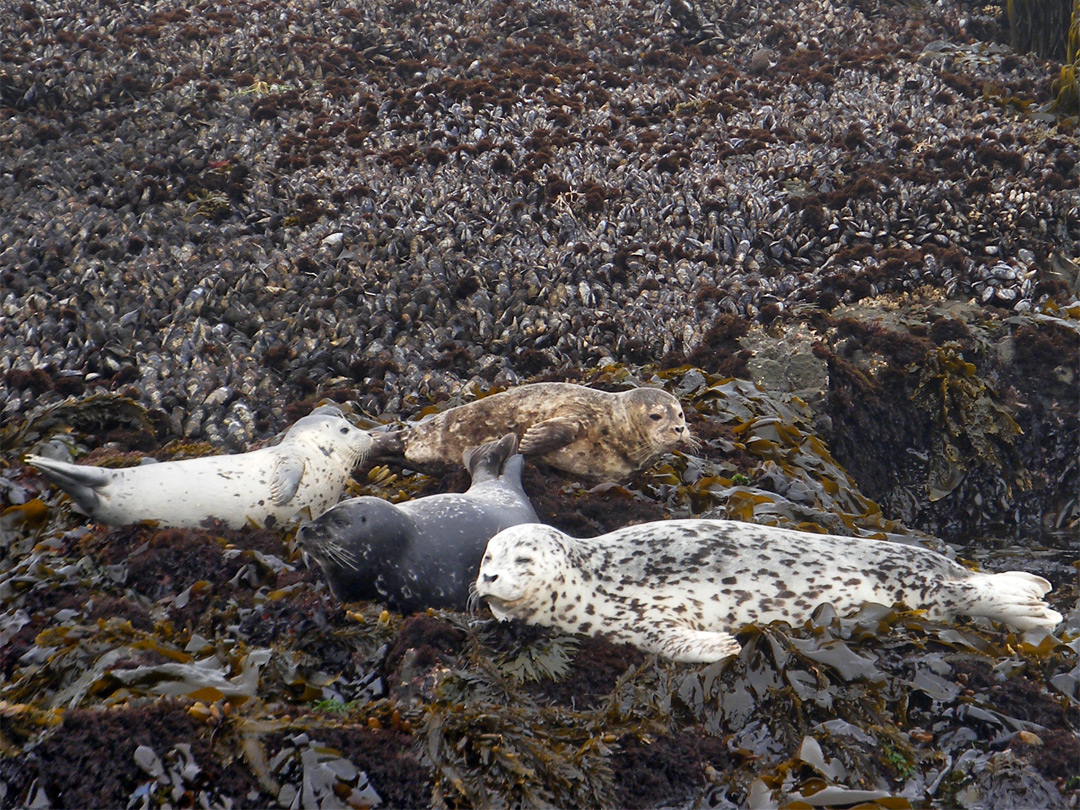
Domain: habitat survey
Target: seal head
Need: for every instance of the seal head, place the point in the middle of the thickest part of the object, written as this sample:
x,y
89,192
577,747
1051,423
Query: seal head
x,y
514,566
655,419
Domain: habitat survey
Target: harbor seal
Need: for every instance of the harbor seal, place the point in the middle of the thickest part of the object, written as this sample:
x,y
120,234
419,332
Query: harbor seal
x,y
421,553
590,433
304,473
681,588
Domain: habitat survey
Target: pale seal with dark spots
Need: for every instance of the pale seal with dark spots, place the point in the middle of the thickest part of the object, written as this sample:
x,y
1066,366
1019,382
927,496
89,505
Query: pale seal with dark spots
x,y
681,588
593,434
425,552
305,473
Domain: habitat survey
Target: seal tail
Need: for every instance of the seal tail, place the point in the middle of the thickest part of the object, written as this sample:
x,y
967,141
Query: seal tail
x,y
1012,597
80,482
486,461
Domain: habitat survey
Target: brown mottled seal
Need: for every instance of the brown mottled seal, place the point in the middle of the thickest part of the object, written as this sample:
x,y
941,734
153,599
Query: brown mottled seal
x,y
590,433
681,588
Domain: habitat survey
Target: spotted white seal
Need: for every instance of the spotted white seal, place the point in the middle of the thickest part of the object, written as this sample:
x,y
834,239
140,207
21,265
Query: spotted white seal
x,y
593,434
305,473
682,587
425,552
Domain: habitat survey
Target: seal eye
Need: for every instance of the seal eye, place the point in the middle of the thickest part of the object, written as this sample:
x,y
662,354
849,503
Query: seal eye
x,y
522,560
656,417
344,430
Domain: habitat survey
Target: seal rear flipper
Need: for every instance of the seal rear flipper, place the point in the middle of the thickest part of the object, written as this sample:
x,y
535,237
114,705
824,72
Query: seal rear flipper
x,y
285,479
79,482
1012,597
549,435
681,643
486,461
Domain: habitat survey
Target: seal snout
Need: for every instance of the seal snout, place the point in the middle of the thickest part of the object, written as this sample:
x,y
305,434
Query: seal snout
x,y
311,536
319,540
687,438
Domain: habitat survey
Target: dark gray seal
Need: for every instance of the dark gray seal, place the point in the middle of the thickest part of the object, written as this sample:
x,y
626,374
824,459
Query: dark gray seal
x,y
682,587
593,434
421,553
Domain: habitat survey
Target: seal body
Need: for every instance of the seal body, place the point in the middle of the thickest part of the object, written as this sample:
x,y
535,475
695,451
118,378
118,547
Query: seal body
x,y
304,473
421,553
681,588
590,433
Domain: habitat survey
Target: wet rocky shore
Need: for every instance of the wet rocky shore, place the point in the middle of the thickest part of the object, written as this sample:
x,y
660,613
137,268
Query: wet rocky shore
x,y
843,233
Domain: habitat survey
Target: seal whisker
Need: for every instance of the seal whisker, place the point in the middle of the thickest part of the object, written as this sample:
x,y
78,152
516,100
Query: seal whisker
x,y
472,604
690,440
339,554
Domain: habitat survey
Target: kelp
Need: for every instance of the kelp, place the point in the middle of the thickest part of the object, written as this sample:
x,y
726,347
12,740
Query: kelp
x,y
1040,25
315,775
1051,29
174,780
96,413
1066,87
794,481
978,428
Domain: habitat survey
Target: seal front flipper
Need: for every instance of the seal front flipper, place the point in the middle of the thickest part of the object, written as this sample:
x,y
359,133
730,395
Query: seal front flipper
x,y
682,643
549,435
80,482
285,479
486,461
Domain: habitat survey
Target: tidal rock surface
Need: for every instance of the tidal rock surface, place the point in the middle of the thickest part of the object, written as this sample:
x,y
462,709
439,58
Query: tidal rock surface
x,y
843,232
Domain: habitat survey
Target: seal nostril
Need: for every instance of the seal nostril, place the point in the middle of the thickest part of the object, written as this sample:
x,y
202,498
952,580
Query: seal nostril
x,y
490,577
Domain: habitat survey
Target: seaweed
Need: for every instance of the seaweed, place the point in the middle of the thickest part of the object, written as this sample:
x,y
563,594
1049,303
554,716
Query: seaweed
x,y
247,682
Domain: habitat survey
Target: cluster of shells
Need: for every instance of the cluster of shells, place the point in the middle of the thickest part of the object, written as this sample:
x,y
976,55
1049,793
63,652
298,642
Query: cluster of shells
x,y
223,210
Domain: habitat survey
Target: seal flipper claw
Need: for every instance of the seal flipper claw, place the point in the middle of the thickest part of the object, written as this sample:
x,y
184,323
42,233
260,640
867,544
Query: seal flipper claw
x,y
286,479
487,461
681,643
549,435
